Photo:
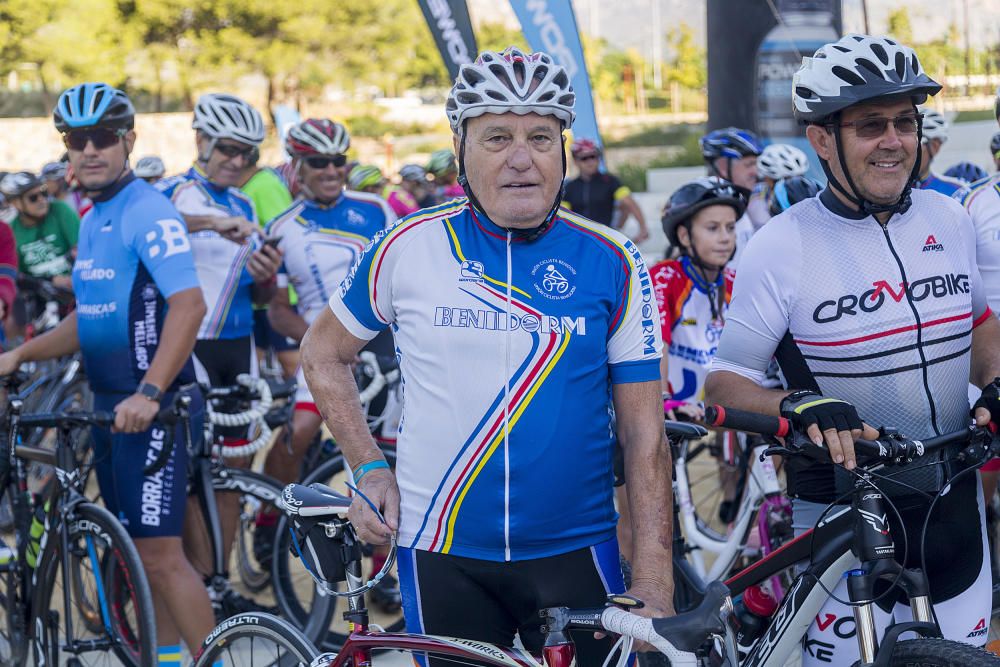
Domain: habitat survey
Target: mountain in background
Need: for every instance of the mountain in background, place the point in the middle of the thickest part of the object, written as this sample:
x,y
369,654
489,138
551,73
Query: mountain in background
x,y
627,23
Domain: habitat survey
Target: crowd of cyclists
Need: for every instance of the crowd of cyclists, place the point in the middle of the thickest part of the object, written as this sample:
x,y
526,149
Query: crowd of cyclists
x,y
865,301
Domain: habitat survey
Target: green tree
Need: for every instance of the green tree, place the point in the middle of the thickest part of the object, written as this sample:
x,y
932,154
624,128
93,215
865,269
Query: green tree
x,y
900,27
689,65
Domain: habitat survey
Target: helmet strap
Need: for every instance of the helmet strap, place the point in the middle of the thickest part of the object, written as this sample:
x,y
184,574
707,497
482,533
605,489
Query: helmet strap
x,y
204,157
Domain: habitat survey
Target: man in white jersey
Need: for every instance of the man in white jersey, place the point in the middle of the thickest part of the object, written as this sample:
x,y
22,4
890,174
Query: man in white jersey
x,y
516,323
875,312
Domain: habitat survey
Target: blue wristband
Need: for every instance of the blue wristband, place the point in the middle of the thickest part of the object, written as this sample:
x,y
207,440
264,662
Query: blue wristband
x,y
366,468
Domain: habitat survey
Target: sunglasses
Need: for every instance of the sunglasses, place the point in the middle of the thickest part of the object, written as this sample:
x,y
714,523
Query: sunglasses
x,y
870,128
34,197
322,162
101,137
586,158
233,150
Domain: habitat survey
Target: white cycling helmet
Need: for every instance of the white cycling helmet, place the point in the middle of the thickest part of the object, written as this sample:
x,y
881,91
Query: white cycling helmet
x,y
512,81
317,136
935,126
856,69
223,116
150,166
779,161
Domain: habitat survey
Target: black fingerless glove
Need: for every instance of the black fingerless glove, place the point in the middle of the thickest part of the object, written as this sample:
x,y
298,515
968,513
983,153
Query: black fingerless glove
x,y
989,399
805,408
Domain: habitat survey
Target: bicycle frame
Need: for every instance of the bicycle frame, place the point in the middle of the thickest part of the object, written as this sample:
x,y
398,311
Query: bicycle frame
x,y
762,489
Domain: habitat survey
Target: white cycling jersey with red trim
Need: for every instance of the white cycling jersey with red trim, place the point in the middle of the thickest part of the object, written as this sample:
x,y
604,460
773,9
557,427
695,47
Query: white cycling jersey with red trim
x,y
878,316
689,327
982,200
508,350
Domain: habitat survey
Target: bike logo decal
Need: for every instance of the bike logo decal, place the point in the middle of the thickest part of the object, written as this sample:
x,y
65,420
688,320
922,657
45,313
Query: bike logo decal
x,y
472,271
979,630
932,245
880,524
554,278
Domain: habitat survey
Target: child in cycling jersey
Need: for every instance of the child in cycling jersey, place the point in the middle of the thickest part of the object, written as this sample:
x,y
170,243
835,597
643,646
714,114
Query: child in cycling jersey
x,y
693,293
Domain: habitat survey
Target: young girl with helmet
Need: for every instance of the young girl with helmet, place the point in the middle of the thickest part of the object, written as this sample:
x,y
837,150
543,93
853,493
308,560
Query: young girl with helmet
x,y
693,293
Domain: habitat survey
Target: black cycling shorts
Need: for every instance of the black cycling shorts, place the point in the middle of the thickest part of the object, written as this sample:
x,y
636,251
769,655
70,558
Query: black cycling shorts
x,y
490,601
217,363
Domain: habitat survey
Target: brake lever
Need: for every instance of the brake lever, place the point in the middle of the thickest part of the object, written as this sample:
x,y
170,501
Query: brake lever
x,y
777,450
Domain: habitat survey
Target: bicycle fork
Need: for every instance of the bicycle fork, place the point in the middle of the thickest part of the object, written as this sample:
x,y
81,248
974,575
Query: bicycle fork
x,y
877,552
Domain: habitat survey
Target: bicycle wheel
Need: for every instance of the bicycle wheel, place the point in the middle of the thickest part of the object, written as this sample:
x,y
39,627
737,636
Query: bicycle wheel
x,y
13,633
940,653
110,603
256,639
292,581
701,466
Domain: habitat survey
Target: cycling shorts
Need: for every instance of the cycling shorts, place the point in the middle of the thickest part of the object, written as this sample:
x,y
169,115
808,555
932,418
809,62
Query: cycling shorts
x,y
217,363
147,505
958,567
265,336
490,601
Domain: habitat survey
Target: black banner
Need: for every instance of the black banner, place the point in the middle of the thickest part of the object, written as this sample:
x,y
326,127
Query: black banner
x,y
452,29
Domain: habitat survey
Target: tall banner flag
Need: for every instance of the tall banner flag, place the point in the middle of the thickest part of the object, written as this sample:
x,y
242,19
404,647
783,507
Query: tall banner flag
x,y
550,26
452,29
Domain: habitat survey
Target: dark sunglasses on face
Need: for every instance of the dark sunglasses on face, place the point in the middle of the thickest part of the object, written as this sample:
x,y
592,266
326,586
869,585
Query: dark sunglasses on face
x,y
101,137
586,158
322,161
232,150
870,128
34,197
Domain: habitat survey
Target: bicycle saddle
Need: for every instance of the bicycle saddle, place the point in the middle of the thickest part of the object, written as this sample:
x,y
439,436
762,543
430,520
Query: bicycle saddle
x,y
684,430
310,501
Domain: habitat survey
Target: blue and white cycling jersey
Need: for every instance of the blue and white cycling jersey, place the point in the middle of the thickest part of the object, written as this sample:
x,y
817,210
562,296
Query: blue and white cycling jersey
x,y
221,263
320,244
508,350
944,184
133,254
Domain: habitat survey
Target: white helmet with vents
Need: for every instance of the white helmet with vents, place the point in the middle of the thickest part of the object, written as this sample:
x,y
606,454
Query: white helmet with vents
x,y
934,126
856,69
223,116
782,161
512,81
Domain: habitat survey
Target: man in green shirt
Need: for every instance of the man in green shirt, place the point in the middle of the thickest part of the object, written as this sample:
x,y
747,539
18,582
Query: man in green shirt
x,y
45,231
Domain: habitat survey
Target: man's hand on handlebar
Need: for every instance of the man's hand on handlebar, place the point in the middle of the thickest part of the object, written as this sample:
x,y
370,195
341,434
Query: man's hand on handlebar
x,y
828,421
379,486
135,414
10,362
987,408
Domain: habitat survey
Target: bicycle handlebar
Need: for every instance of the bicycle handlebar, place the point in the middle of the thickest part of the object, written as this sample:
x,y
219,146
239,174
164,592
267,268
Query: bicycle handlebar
x,y
890,448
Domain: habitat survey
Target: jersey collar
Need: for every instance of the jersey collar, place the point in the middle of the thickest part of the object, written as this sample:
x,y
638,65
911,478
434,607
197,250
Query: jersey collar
x,y
113,189
837,207
197,173
490,228
312,203
697,280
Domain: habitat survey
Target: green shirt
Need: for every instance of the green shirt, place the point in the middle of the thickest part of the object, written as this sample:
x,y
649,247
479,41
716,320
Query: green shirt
x,y
270,196
43,250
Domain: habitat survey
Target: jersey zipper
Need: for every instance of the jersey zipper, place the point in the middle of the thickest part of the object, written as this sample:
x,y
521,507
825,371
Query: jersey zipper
x,y
506,413
916,316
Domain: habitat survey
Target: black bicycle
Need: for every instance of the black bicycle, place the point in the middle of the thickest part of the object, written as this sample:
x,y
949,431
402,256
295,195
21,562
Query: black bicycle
x,y
74,583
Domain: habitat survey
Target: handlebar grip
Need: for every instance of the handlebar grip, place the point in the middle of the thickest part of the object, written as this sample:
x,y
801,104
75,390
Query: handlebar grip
x,y
622,622
751,422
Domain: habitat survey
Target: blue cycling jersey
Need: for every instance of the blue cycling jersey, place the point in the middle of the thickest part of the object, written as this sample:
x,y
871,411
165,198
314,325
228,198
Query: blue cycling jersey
x,y
944,184
133,253
221,263
508,350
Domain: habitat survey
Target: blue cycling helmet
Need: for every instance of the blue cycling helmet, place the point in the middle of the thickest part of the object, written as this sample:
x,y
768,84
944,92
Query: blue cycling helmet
x,y
792,190
90,104
966,171
730,142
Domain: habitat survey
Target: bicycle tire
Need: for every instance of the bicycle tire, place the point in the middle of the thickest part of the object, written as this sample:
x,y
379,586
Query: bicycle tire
x,y
225,639
126,594
13,635
927,652
289,604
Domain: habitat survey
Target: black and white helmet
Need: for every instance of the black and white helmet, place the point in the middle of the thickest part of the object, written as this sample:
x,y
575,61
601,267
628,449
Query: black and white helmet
x,y
223,116
17,183
934,126
779,161
856,69
512,81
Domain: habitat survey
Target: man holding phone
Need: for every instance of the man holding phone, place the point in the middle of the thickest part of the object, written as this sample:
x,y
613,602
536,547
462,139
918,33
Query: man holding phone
x,y
320,237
